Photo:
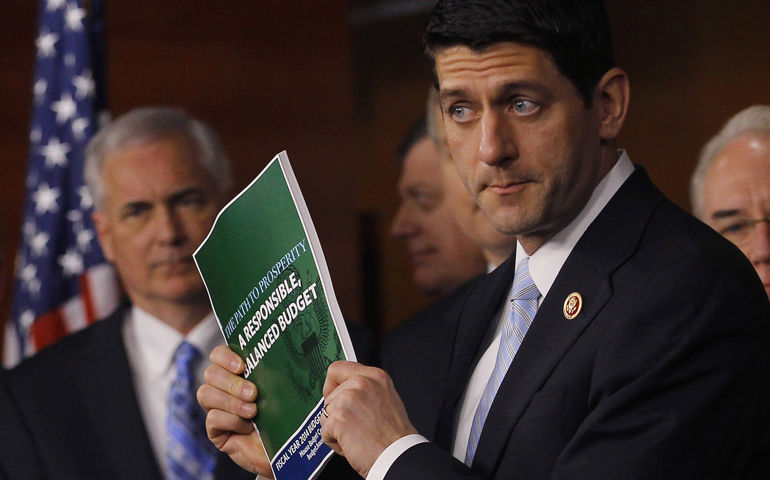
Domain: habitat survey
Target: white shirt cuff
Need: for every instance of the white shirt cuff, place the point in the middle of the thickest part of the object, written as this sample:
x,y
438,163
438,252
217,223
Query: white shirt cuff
x,y
391,454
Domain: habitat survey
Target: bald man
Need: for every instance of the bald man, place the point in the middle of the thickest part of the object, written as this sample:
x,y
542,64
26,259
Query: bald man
x,y
730,188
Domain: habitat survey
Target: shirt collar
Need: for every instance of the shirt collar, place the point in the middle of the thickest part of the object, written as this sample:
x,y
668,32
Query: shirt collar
x,y
546,262
157,342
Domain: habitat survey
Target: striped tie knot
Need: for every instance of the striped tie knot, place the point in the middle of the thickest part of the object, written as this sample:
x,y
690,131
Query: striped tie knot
x,y
523,286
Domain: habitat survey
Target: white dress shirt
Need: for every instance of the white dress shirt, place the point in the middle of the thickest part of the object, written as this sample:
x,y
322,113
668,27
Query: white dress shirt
x,y
544,266
151,344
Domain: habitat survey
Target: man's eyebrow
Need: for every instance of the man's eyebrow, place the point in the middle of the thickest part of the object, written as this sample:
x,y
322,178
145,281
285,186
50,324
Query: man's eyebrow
x,y
133,206
450,93
503,89
725,214
522,85
183,193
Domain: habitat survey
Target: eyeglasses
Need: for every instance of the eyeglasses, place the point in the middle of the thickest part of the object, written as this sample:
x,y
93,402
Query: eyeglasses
x,y
741,230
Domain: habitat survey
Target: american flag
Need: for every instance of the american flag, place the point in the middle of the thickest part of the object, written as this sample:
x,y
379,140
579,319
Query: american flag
x,y
62,281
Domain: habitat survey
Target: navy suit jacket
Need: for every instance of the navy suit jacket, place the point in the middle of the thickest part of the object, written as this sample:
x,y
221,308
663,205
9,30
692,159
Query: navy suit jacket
x,y
73,414
662,375
77,404
416,355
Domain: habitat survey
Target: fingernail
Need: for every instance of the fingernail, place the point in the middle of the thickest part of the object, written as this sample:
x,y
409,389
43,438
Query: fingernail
x,y
249,390
248,410
234,364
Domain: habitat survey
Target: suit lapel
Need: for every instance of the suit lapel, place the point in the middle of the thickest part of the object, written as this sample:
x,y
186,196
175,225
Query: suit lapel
x,y
546,342
587,271
106,384
476,318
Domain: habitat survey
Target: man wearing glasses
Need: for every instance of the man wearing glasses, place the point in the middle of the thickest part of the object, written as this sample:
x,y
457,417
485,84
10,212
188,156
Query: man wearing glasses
x,y
730,188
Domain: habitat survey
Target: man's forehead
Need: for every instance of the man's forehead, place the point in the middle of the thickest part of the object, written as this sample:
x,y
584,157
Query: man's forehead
x,y
746,158
421,159
151,172
738,182
458,63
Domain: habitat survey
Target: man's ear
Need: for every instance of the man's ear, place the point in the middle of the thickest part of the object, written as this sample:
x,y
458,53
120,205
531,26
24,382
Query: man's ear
x,y
611,96
103,233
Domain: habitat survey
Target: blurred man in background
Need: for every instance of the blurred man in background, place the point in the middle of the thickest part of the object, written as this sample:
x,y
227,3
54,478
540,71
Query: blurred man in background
x,y
730,188
117,400
442,255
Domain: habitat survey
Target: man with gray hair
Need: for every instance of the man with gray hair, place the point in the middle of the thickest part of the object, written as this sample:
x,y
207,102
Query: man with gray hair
x,y
730,188
117,400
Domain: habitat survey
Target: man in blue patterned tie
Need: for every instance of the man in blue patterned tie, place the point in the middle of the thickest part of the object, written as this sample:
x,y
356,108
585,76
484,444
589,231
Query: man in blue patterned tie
x,y
622,339
117,400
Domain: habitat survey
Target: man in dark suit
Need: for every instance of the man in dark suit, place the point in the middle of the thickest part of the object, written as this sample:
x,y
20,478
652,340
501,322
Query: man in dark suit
x,y
96,405
110,401
623,339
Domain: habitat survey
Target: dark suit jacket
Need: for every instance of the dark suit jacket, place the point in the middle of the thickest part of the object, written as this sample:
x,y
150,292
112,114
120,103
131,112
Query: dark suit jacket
x,y
662,375
16,451
75,414
77,403
416,355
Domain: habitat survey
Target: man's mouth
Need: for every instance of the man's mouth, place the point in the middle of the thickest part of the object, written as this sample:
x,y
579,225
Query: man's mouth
x,y
507,188
173,261
419,256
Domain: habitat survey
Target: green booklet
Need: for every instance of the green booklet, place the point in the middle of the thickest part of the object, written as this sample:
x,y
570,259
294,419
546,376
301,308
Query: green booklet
x,y
272,294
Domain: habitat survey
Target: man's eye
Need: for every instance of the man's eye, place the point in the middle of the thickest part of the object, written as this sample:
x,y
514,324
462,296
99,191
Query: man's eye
x,y
424,201
735,228
460,113
524,107
134,211
189,200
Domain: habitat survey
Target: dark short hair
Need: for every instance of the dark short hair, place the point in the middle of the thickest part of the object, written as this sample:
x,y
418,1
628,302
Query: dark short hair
x,y
417,132
575,33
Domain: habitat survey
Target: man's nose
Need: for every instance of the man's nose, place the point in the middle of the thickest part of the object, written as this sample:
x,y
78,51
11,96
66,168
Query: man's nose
x,y
404,225
170,229
497,138
758,248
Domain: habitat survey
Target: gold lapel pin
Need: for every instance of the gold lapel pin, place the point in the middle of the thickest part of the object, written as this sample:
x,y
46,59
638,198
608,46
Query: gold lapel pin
x,y
572,305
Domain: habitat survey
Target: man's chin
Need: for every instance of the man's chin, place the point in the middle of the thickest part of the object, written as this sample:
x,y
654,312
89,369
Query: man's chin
x,y
427,282
182,288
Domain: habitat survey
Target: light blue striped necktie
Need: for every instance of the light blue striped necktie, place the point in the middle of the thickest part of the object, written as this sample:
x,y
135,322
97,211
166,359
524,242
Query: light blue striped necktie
x,y
523,310
189,454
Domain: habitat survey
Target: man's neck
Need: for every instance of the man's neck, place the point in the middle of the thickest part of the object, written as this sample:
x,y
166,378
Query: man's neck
x,y
181,316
